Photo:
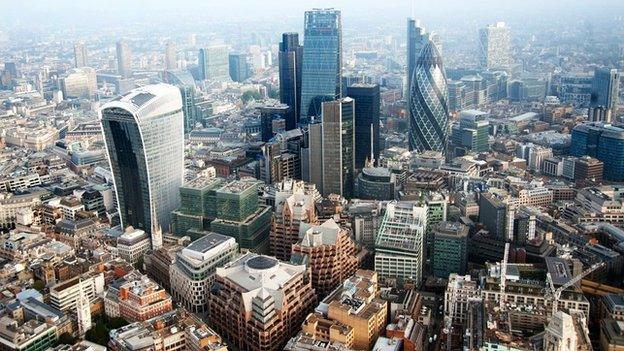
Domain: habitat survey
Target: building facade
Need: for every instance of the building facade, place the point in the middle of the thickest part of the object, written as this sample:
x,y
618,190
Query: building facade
x,y
290,62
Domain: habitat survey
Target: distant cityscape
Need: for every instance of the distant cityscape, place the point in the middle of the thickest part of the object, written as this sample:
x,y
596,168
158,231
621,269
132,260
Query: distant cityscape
x,y
339,188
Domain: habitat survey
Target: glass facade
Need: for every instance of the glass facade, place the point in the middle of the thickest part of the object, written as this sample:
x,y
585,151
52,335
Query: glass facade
x,y
214,63
429,124
367,105
322,60
290,61
144,135
338,147
604,142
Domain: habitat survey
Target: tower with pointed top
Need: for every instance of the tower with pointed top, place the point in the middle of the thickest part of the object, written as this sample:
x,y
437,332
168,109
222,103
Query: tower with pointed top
x,y
83,311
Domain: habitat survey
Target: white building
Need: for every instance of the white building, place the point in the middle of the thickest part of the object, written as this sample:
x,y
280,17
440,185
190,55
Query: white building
x,y
132,244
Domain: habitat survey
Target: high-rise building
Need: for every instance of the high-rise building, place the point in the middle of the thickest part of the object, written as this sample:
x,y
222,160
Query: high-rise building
x,y
144,135
400,243
329,252
193,272
289,213
312,156
428,124
79,83
450,251
214,63
471,133
338,147
367,109
239,67
322,61
81,56
493,215
184,80
290,62
495,46
258,302
124,59
604,142
606,89
417,37
197,205
170,55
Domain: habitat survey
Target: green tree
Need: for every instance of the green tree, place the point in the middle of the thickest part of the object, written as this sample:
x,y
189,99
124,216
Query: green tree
x,y
39,285
249,95
66,339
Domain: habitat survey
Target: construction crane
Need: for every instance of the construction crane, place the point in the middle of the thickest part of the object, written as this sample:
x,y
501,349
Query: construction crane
x,y
554,294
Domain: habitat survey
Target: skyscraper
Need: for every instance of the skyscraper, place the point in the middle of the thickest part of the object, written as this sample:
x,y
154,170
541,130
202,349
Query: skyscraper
x,y
416,39
428,128
471,133
495,46
144,135
367,106
239,68
170,55
290,60
214,63
606,88
337,150
80,55
124,59
604,142
322,61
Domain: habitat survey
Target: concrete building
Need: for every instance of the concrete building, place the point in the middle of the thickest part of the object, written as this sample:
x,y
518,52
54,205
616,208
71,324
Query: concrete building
x,y
258,301
64,295
124,59
136,298
450,250
214,63
132,244
611,335
495,46
289,214
193,271
79,83
465,290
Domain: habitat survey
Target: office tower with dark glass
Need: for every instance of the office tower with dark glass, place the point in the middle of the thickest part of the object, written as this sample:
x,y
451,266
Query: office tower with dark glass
x,y
367,107
144,135
428,120
337,150
416,39
606,88
290,61
214,63
80,55
124,59
322,61
239,68
495,44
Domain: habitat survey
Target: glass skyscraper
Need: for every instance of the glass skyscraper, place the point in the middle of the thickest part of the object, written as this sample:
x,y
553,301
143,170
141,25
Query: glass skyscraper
x,y
428,103
367,105
214,63
495,46
322,60
144,135
338,147
290,61
605,88
604,142
416,39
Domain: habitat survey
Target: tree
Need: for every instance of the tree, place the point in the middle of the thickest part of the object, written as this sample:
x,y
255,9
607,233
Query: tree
x,y
249,95
39,285
66,339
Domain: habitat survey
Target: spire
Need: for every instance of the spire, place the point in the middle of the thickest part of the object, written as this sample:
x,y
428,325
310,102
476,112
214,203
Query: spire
x,y
156,230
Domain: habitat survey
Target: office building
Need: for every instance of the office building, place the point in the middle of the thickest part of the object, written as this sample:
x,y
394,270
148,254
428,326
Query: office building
x,y
604,142
417,37
322,61
214,63
124,59
367,111
399,246
136,298
32,335
465,290
144,135
376,183
197,205
171,60
64,295
588,169
132,244
239,67
290,62
428,123
611,335
290,213
606,89
269,113
258,302
495,46
356,304
471,133
338,147
329,252
79,83
193,271
493,214
450,249
184,80
81,55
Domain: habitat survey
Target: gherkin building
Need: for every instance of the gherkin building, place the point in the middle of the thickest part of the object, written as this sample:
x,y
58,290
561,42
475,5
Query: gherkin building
x,y
429,123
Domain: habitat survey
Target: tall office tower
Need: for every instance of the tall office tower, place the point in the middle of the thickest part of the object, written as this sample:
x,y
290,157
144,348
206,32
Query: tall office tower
x,y
290,59
238,66
329,252
400,243
471,133
144,135
450,251
367,105
290,213
170,55
493,215
606,89
258,302
312,156
184,80
428,99
214,63
495,46
192,274
81,57
322,61
124,59
604,142
337,150
417,37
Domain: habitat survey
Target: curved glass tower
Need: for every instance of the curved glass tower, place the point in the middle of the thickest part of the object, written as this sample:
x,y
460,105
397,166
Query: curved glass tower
x,y
428,102
144,135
